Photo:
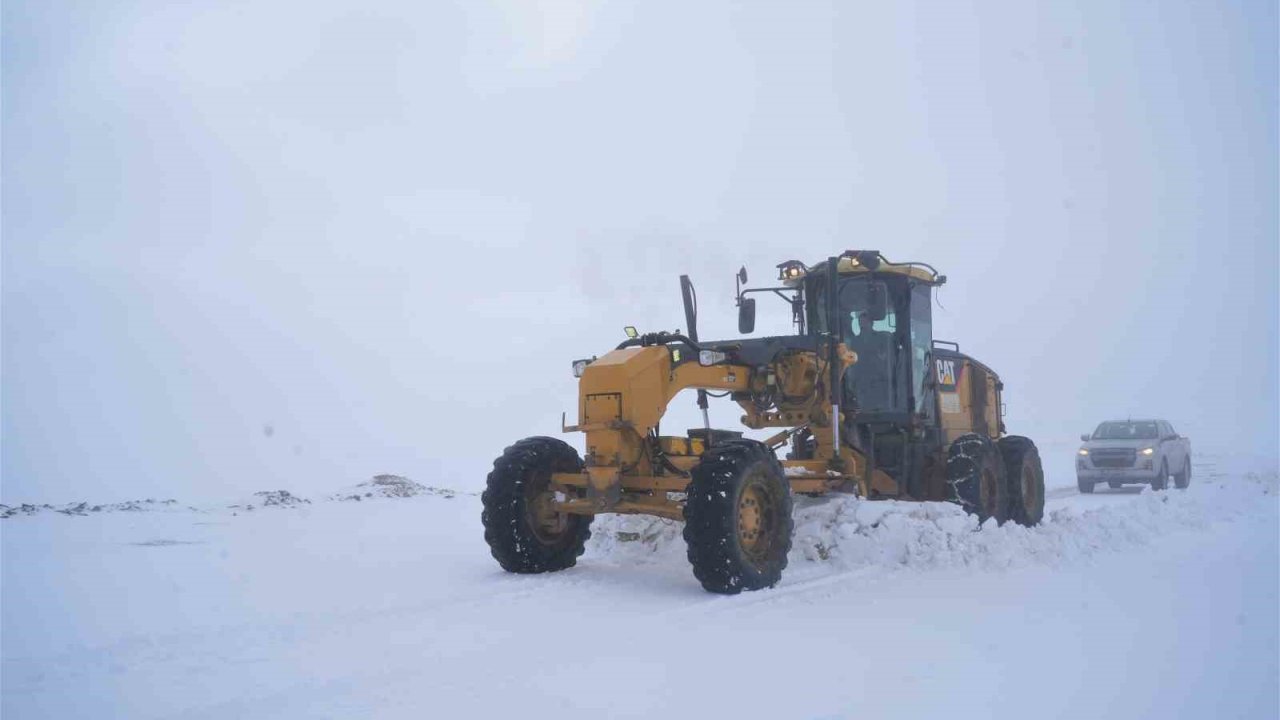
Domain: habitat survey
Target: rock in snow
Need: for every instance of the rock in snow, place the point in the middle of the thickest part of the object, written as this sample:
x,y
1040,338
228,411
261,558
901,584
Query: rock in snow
x,y
390,486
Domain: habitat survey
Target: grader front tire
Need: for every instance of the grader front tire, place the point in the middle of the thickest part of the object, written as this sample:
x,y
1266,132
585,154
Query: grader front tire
x,y
738,518
524,532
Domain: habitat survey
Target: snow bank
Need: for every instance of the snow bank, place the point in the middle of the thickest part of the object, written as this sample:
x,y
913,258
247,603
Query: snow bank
x,y
636,538
380,486
843,532
390,486
84,508
271,498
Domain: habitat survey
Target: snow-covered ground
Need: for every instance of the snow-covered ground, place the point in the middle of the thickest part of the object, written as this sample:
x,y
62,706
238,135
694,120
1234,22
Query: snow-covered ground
x,y
1122,604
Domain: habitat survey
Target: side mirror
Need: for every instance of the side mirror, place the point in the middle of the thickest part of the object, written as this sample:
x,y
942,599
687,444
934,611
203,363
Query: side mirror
x,y
1085,437
747,316
742,275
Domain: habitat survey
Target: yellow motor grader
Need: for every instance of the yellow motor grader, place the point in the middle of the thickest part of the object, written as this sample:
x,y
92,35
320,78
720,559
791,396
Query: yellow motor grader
x,y
864,399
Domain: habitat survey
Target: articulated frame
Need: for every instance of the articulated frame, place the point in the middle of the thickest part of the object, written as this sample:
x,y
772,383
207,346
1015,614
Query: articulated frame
x,y
629,469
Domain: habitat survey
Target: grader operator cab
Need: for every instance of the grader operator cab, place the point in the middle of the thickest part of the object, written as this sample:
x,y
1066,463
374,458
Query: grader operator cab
x,y
864,398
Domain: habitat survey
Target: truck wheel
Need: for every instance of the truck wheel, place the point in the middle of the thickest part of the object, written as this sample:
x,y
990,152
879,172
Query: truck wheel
x,y
1085,486
738,518
1025,478
524,532
1183,479
1162,480
976,475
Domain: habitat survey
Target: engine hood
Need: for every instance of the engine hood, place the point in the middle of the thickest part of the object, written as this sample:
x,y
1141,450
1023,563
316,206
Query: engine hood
x,y
1134,444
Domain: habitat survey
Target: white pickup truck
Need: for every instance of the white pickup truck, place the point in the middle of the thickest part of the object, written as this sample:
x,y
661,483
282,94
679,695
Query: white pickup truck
x,y
1130,452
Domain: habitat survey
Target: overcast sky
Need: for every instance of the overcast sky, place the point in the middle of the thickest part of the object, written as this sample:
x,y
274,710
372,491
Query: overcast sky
x,y
254,245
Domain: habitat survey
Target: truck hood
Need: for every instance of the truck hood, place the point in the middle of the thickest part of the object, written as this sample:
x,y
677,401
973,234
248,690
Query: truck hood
x,y
1134,444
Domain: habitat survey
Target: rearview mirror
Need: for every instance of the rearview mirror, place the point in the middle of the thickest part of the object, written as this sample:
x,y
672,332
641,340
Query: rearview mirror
x,y
1085,437
742,275
747,316
876,302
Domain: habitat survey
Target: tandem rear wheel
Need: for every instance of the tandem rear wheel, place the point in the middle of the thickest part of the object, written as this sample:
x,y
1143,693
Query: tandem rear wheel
x,y
1002,480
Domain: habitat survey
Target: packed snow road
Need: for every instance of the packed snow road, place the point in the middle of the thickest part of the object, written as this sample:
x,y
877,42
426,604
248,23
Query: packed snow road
x,y
1122,604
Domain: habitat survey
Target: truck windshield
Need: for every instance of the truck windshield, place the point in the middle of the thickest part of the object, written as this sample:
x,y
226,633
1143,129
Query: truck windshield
x,y
1143,430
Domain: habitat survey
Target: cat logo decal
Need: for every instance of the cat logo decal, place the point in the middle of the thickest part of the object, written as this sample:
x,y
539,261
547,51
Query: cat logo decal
x,y
947,374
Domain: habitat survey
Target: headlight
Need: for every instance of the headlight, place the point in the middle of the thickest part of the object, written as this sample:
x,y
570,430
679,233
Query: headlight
x,y
580,366
711,357
1082,451
1148,451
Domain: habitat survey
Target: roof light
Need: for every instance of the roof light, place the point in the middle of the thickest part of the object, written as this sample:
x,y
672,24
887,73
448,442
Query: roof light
x,y
869,259
791,270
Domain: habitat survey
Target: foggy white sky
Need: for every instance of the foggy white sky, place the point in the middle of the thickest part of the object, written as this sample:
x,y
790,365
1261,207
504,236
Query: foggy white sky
x,y
384,230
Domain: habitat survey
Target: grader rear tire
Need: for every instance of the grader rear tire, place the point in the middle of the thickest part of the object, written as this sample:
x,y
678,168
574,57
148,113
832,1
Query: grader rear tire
x,y
738,518
976,474
1025,478
524,533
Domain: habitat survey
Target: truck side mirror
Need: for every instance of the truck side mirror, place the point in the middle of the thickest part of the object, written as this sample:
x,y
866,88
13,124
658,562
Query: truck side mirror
x,y
747,316
1085,437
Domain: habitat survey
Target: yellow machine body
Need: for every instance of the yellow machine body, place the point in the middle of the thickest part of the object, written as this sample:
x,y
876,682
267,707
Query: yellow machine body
x,y
623,395
913,418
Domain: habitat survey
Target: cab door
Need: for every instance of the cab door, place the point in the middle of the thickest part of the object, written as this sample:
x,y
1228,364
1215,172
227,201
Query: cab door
x,y
923,387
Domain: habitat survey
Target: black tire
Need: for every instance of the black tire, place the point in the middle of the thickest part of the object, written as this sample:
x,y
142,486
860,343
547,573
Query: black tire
x,y
1085,486
522,536
1025,478
1162,480
975,472
1183,479
738,518
1115,485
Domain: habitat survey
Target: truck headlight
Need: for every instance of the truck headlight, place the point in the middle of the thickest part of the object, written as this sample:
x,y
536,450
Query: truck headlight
x,y
579,367
1082,451
711,357
1148,451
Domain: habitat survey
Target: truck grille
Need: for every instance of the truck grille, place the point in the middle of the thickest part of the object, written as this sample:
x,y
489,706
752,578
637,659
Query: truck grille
x,y
1113,457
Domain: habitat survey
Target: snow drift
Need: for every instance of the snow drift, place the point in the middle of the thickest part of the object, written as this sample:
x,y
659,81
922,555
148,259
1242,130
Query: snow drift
x,y
845,533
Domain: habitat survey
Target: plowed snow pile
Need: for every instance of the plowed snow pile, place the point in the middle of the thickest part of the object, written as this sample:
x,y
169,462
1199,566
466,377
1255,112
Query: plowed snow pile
x,y
843,532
